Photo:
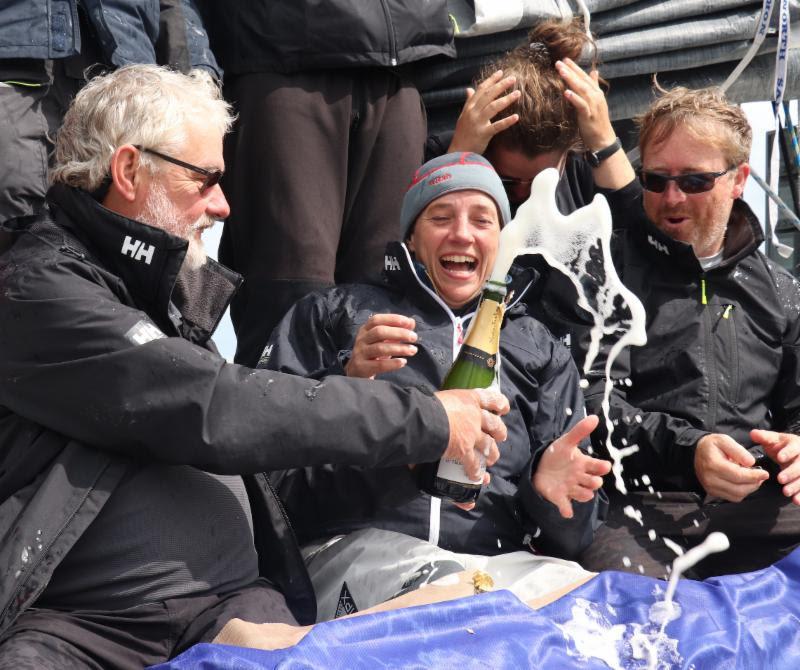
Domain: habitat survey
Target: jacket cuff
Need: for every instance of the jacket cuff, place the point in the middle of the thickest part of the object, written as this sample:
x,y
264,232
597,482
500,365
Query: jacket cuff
x,y
686,444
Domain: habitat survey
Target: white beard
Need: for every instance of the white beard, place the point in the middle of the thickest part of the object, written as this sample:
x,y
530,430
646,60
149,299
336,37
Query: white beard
x,y
160,212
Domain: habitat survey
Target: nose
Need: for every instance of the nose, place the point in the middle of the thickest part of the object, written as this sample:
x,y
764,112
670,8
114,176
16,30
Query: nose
x,y
672,194
461,230
520,193
217,206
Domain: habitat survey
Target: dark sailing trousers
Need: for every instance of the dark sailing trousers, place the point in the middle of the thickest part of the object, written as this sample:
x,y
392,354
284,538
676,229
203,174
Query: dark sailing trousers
x,y
136,637
316,170
762,529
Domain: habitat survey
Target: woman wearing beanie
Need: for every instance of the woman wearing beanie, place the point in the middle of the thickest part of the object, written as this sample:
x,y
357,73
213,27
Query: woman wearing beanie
x,y
408,330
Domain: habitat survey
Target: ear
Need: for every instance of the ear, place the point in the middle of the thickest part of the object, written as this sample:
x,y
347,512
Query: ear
x,y
125,177
739,180
410,244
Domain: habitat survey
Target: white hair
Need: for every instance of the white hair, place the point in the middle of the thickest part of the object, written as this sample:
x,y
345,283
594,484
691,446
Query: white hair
x,y
145,105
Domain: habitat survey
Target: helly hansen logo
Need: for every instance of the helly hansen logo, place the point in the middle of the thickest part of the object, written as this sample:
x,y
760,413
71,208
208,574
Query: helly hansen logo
x,y
143,332
138,250
658,245
438,179
391,263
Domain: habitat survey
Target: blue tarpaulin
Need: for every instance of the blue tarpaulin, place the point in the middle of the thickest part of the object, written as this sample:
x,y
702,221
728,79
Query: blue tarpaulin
x,y
748,621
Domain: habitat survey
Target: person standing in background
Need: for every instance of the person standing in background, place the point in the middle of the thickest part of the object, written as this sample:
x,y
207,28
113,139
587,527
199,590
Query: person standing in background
x,y
328,134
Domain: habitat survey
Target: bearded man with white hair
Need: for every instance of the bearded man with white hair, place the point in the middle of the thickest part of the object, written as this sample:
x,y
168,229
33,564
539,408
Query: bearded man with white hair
x,y
134,521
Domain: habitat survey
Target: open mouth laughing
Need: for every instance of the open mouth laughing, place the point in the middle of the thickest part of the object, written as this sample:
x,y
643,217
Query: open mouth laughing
x,y
459,263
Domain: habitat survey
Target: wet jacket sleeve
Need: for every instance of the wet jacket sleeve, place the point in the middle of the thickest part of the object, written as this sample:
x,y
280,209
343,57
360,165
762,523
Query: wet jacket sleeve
x,y
182,38
559,407
306,342
80,362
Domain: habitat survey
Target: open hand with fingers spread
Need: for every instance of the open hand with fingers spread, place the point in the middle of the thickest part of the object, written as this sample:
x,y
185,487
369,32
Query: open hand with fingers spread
x,y
784,449
475,128
382,344
725,468
565,473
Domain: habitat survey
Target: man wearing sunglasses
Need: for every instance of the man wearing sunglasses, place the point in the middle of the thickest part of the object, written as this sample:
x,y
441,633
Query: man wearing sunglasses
x,y
712,401
133,520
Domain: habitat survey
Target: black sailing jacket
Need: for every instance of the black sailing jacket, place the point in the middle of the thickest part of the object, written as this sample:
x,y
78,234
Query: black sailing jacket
x,y
293,35
106,361
723,349
537,374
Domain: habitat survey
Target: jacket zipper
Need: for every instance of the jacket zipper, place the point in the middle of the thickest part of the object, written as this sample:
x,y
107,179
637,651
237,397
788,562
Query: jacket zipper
x,y
390,34
711,363
434,527
734,353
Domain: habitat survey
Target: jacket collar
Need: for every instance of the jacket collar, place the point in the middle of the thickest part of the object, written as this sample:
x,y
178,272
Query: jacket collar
x,y
742,237
401,272
147,260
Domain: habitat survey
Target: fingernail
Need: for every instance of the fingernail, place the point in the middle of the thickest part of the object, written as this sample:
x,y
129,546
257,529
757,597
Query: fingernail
x,y
487,451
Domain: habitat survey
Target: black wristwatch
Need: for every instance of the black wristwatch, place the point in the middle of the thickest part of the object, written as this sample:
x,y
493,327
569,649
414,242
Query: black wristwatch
x,y
594,158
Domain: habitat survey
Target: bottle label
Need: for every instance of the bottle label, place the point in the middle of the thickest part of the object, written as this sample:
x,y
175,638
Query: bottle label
x,y
484,331
478,357
452,470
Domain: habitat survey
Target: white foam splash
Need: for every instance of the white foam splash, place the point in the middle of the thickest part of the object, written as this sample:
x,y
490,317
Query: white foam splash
x,y
579,245
714,543
619,646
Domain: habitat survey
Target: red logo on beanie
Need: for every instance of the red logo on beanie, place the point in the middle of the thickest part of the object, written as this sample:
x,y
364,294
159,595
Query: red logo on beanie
x,y
440,178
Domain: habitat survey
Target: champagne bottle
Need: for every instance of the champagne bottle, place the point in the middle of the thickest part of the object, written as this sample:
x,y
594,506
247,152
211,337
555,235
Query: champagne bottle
x,y
474,367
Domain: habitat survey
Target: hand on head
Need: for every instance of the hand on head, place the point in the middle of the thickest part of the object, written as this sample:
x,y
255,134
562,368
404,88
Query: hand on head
x,y
784,449
584,93
594,122
565,473
381,345
475,128
725,468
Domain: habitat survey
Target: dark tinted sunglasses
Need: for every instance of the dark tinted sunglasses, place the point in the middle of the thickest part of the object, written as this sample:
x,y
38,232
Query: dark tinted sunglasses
x,y
212,177
697,182
511,182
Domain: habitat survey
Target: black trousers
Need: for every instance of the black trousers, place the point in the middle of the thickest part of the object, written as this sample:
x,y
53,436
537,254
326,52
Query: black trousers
x,y
316,170
762,529
44,639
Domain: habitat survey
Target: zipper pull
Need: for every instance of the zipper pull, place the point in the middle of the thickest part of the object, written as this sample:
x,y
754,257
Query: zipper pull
x,y
727,311
703,298
72,251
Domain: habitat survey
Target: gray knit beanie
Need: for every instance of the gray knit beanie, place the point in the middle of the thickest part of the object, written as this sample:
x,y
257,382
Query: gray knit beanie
x,y
459,171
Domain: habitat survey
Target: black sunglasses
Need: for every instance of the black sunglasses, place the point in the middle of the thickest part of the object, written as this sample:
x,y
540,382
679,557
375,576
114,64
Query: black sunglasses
x,y
510,182
697,182
212,177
